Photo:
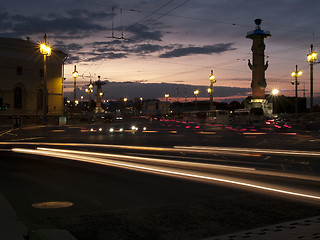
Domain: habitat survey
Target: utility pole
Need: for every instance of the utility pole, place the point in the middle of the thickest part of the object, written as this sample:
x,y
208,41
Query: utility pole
x,y
296,74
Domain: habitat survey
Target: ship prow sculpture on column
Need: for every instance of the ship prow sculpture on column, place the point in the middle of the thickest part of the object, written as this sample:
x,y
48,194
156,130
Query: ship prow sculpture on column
x,y
258,65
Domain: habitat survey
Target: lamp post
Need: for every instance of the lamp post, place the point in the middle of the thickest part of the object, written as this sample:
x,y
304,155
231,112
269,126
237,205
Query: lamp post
x,y
74,75
46,51
166,96
210,90
89,90
196,92
81,103
312,56
125,104
296,74
141,99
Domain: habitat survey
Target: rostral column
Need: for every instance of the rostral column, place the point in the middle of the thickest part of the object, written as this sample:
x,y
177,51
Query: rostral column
x,y
258,67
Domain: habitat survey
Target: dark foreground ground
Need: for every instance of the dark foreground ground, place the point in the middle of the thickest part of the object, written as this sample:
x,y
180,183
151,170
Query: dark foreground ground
x,y
198,220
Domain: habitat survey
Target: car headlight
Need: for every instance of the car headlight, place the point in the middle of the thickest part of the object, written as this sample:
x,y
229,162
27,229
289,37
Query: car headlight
x,y
144,128
121,130
111,130
100,129
133,128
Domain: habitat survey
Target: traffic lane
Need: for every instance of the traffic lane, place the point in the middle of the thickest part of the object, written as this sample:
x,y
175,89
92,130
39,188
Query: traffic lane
x,y
295,185
287,186
219,137
283,160
26,180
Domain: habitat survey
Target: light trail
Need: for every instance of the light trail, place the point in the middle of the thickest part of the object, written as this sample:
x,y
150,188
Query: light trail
x,y
151,160
252,150
90,159
201,149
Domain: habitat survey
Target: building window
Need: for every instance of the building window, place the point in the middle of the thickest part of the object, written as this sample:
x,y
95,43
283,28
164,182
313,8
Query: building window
x,y
18,98
19,70
40,99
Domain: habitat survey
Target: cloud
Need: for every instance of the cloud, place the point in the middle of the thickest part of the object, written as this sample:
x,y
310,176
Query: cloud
x,y
85,14
72,59
103,56
35,25
144,49
207,49
59,26
112,55
140,32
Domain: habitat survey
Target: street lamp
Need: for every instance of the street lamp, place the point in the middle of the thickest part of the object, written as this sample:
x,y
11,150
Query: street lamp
x,y
275,100
125,103
166,96
81,103
89,90
275,92
210,90
312,56
196,92
296,74
75,75
141,99
46,51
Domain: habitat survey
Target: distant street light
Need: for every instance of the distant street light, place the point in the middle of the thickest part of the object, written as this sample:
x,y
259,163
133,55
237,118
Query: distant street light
x,y
46,51
141,99
81,102
89,90
275,92
275,100
210,90
296,74
196,92
166,96
312,56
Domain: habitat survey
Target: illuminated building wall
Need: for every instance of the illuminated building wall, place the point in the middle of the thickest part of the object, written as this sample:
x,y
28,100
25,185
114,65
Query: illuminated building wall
x,y
22,82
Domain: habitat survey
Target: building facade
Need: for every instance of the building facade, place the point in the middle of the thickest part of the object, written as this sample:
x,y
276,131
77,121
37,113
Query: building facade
x,y
22,83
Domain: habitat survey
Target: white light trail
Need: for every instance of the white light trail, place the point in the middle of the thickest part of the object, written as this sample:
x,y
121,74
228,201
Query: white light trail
x,y
202,149
86,158
252,150
151,160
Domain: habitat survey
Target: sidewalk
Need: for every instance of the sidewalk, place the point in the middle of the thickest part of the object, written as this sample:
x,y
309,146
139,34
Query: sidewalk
x,y
11,228
303,229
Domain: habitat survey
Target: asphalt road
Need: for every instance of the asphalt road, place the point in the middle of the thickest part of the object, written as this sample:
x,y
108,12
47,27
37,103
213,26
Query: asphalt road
x,y
138,192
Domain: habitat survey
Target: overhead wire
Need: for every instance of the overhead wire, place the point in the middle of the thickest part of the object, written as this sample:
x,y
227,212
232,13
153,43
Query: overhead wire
x,y
168,13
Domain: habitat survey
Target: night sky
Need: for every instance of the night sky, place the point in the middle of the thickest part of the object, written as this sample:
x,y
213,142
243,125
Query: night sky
x,y
173,41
